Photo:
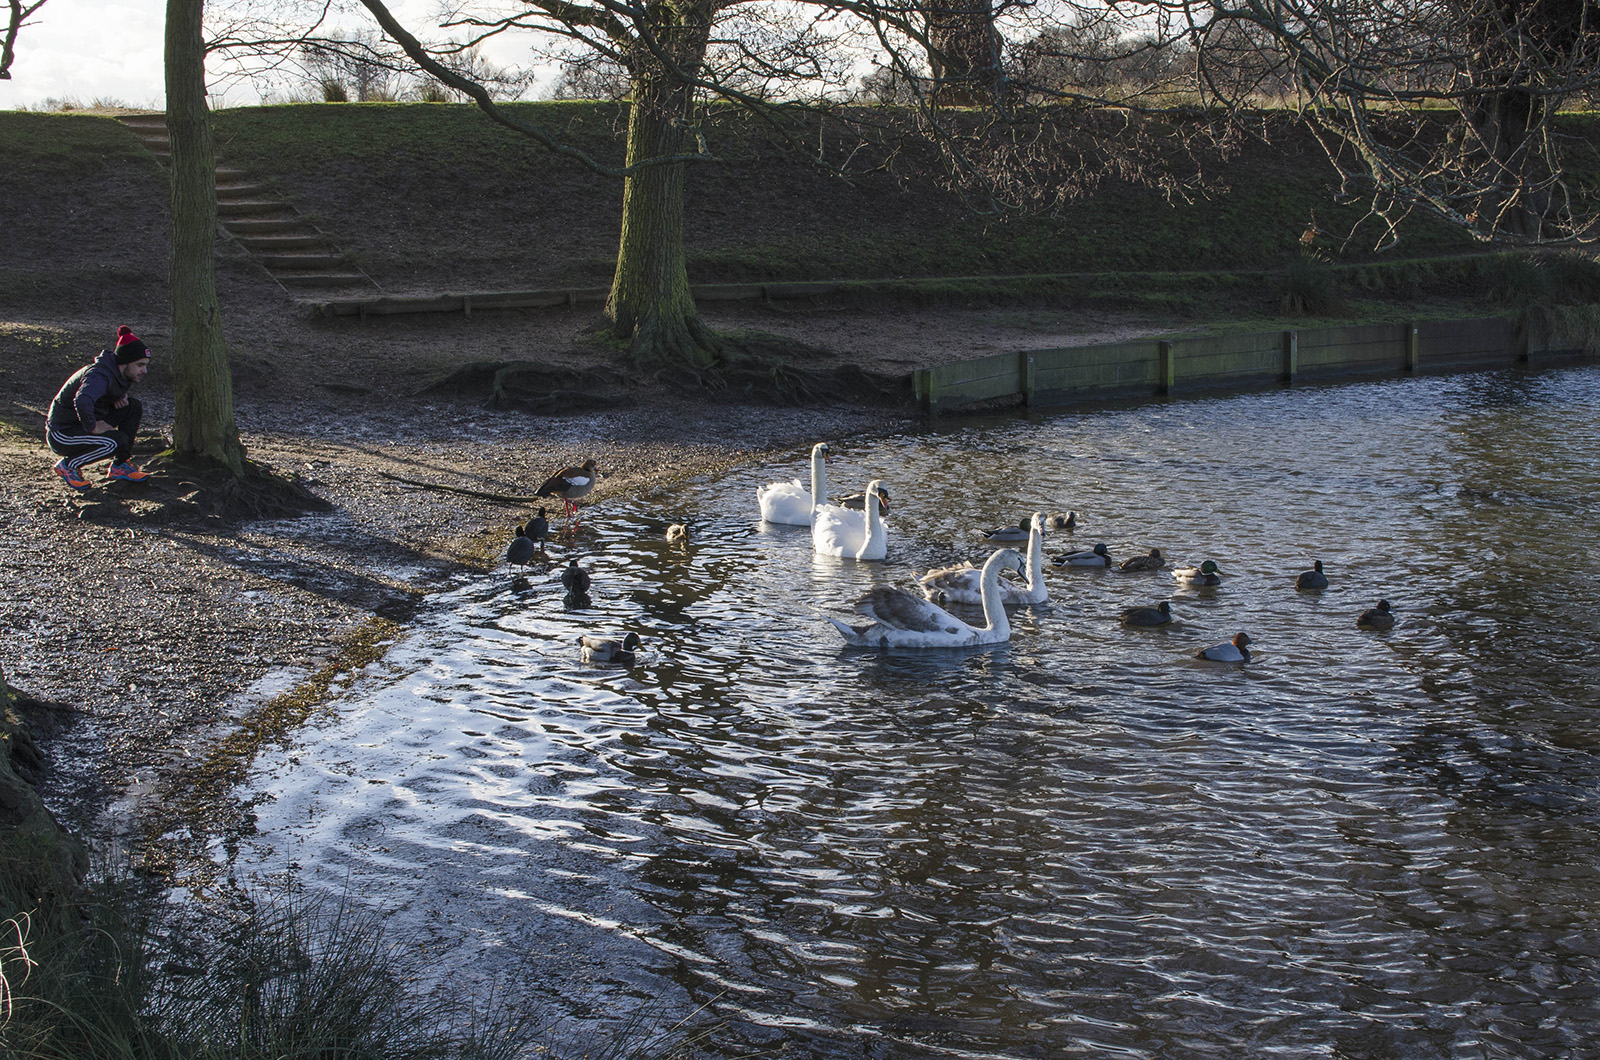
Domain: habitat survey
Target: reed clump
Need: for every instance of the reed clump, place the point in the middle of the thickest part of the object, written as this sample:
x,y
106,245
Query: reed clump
x,y
114,973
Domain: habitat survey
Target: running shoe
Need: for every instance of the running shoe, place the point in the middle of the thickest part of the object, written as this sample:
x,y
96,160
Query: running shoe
x,y
70,476
126,471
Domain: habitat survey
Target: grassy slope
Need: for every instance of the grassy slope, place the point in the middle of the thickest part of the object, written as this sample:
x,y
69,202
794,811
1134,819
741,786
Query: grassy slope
x,y
434,197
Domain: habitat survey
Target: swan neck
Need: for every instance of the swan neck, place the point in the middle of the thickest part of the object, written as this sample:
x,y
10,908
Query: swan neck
x,y
994,612
819,480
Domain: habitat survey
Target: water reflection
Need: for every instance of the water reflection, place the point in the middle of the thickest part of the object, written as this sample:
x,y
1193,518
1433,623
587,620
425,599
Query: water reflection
x,y
1082,842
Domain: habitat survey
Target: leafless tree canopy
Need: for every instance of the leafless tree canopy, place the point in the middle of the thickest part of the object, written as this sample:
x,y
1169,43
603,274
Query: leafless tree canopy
x,y
1443,105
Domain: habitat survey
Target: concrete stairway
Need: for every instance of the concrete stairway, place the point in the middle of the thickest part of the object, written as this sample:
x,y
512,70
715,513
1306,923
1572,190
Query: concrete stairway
x,y
294,252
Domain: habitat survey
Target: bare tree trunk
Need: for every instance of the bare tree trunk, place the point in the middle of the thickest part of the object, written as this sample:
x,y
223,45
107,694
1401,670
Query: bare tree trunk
x,y
203,424
650,302
964,56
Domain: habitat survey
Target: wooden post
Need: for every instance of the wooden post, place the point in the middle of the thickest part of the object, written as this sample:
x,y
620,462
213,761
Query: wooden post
x,y
1168,373
922,389
1028,377
1413,346
466,305
1291,355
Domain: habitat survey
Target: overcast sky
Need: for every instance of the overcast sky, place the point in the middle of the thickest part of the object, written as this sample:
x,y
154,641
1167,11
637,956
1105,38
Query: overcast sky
x,y
84,50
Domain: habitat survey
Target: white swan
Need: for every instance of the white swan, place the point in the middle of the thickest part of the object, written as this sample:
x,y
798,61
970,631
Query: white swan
x,y
848,534
788,502
963,584
904,620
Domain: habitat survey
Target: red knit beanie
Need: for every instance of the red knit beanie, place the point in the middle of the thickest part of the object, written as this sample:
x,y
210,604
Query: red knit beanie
x,y
130,347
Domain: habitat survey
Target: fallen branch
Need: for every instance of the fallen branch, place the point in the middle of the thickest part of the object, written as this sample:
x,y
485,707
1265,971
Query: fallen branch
x,y
499,498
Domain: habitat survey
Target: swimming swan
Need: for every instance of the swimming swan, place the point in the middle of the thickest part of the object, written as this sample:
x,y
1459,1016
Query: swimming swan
x,y
963,584
903,620
837,531
788,502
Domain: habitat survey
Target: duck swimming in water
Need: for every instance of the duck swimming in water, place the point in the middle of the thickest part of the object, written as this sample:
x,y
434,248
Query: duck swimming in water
x,y
1312,580
1380,617
607,650
1236,650
1205,574
1154,561
1159,615
1096,557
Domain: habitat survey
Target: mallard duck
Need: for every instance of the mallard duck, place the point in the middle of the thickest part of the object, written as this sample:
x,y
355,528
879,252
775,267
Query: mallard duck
x,y
571,484
605,650
1312,580
837,531
857,501
1380,617
1159,615
1097,557
1061,521
1236,650
963,584
1017,532
1154,561
1205,574
789,502
904,620
678,533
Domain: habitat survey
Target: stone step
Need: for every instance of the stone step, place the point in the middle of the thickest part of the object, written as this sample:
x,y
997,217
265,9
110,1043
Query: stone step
x,y
141,120
226,174
244,227
270,243
248,207
242,191
322,279
303,261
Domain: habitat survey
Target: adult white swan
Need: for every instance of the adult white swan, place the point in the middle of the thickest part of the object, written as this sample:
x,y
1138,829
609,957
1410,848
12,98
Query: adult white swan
x,y
848,534
789,502
963,584
905,620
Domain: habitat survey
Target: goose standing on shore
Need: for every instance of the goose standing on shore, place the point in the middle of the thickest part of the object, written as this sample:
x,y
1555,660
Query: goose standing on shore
x,y
963,584
904,620
847,534
789,503
571,484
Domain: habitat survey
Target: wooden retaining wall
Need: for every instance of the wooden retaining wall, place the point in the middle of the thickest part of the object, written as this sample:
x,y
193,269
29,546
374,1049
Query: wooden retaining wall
x,y
1155,366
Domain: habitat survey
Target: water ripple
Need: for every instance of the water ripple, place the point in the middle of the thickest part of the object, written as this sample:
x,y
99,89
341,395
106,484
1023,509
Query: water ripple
x,y
1082,842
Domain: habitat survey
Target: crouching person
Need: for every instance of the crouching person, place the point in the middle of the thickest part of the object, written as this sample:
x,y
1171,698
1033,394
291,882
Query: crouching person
x,y
92,417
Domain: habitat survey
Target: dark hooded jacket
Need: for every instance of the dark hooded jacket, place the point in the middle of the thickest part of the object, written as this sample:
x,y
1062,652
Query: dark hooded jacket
x,y
88,396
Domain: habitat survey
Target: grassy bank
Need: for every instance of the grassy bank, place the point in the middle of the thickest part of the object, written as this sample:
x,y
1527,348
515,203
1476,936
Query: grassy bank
x,y
433,197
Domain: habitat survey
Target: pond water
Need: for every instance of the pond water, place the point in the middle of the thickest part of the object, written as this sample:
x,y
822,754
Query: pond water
x,y
1084,842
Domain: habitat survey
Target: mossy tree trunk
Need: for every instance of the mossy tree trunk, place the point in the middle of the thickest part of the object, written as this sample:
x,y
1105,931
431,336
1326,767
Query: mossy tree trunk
x,y
203,426
650,303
